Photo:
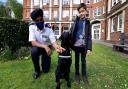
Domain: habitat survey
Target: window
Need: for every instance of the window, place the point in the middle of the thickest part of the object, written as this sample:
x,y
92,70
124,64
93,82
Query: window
x,y
56,31
65,29
75,12
97,12
65,2
87,1
95,1
45,2
113,25
55,14
36,2
65,13
46,14
120,22
76,1
55,2
114,2
88,14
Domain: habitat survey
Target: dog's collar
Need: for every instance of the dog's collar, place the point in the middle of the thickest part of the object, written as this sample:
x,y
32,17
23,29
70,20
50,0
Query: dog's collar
x,y
61,56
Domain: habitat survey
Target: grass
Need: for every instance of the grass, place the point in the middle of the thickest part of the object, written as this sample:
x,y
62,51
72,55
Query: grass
x,y
105,69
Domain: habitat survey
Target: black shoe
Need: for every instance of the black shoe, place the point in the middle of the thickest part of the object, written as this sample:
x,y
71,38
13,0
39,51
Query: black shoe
x,y
77,79
35,75
85,80
68,84
58,86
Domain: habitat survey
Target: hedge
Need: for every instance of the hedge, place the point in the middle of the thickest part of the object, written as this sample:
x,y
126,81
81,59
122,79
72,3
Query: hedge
x,y
13,33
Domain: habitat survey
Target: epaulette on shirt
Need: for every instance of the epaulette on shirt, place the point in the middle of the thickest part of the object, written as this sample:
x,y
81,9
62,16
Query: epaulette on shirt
x,y
31,23
47,25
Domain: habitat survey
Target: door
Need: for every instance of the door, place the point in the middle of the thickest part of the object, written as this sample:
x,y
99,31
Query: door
x,y
96,28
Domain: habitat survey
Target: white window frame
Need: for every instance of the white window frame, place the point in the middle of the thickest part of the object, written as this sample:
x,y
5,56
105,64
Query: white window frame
x,y
120,17
55,2
65,13
114,2
56,31
45,2
87,1
112,24
96,12
76,1
55,13
96,1
46,14
66,2
75,12
36,2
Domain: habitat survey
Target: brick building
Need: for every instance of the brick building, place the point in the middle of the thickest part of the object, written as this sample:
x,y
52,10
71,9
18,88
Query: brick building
x,y
61,13
117,21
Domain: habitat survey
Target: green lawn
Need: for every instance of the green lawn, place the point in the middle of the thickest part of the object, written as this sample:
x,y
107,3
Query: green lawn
x,y
105,69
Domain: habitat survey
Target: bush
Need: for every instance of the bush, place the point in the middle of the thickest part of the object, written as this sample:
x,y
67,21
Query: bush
x,y
22,52
14,33
6,55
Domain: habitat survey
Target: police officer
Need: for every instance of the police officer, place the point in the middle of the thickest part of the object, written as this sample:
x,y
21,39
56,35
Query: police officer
x,y
41,37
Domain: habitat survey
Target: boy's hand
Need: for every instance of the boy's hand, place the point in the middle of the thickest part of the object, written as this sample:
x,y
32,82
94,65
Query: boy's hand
x,y
89,52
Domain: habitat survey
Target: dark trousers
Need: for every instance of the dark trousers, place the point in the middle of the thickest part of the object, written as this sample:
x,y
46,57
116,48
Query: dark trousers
x,y
45,59
80,52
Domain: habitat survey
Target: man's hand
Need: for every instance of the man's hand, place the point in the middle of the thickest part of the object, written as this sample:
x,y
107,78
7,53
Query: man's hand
x,y
89,52
48,50
59,49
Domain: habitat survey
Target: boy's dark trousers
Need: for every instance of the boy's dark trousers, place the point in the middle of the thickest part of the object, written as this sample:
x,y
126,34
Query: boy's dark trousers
x,y
79,51
45,59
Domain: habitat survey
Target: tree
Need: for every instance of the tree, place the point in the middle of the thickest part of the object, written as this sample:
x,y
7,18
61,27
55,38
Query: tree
x,y
4,11
16,7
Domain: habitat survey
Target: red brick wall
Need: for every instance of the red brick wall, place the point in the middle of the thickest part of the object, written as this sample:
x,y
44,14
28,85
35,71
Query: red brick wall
x,y
126,21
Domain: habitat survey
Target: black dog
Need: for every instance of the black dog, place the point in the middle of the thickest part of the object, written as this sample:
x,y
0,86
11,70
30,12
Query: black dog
x,y
64,61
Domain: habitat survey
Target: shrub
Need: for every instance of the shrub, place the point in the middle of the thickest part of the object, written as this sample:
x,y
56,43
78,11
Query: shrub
x,y
13,33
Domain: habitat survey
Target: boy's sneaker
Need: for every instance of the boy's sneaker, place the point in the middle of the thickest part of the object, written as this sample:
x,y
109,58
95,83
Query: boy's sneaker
x,y
35,75
85,80
77,79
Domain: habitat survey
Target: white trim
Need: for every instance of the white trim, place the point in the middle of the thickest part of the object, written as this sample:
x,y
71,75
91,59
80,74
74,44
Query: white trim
x,y
120,29
59,31
123,1
112,23
121,9
58,22
109,27
109,5
60,10
31,5
41,4
71,10
123,21
64,56
50,10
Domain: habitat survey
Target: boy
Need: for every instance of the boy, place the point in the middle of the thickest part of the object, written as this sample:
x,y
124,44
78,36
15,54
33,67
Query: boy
x,y
81,41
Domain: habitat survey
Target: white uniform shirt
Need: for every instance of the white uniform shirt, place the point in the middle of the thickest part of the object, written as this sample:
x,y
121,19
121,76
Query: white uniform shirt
x,y
45,36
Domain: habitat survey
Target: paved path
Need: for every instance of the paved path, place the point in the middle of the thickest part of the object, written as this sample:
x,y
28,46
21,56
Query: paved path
x,y
123,54
103,42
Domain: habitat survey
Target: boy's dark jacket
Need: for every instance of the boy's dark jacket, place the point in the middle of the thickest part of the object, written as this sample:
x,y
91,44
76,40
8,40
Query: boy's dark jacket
x,y
88,36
